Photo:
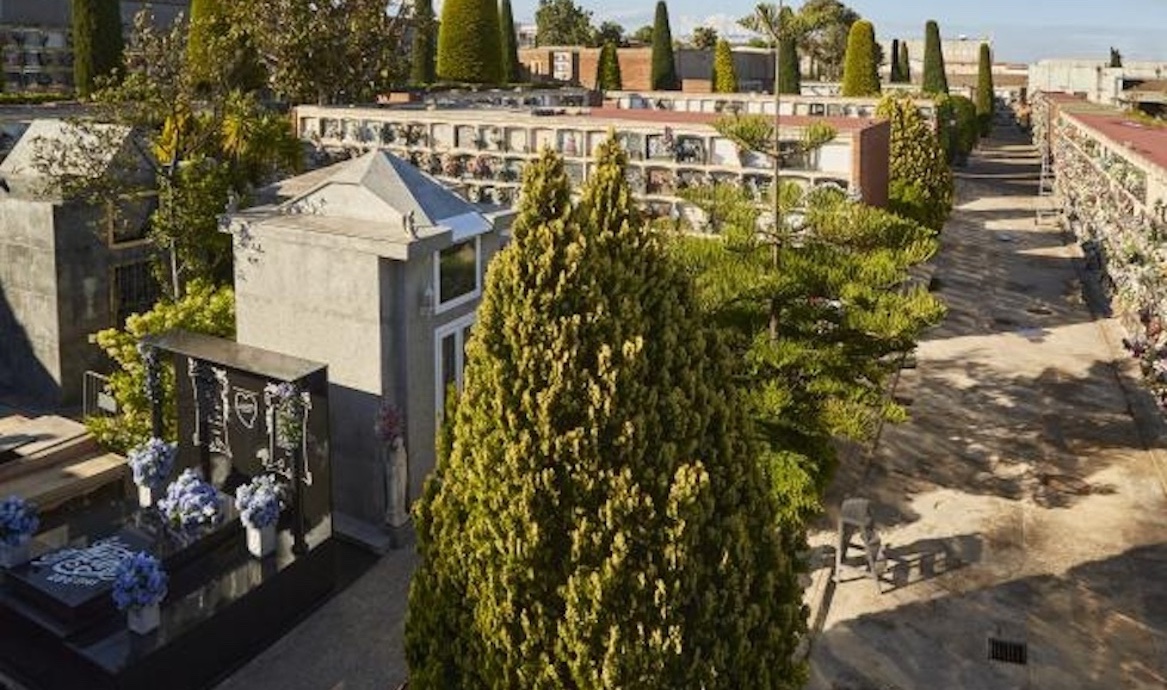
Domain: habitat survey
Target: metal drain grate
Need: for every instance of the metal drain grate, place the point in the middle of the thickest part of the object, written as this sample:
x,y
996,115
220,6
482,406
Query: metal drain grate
x,y
1008,652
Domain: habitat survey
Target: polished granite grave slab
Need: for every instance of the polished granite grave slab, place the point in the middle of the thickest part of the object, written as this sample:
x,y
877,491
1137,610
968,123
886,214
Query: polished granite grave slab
x,y
72,585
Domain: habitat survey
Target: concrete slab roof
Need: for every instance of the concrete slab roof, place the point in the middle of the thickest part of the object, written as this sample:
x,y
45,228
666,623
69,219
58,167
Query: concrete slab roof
x,y
1146,141
95,148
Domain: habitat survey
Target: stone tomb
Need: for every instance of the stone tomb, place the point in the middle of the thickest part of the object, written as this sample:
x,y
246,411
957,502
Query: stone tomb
x,y
242,411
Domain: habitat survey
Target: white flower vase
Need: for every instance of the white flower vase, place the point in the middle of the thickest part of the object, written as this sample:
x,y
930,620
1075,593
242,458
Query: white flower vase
x,y
144,619
261,541
148,496
12,556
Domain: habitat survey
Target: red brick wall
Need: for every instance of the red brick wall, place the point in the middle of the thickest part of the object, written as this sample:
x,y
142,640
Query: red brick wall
x,y
870,162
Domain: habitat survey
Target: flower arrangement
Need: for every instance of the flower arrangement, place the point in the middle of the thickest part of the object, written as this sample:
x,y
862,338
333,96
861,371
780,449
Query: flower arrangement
x,y
152,461
390,423
288,404
139,582
259,502
18,521
191,503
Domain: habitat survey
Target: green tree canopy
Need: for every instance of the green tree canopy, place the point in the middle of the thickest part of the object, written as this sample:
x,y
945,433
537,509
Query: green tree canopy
x,y
609,32
215,62
724,72
643,35
469,42
966,131
861,72
825,42
832,281
664,66
920,185
97,42
596,518
935,77
984,93
204,308
562,23
423,50
328,52
704,38
608,76
511,69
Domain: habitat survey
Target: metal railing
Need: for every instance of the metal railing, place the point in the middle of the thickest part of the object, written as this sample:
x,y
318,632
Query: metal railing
x,y
97,397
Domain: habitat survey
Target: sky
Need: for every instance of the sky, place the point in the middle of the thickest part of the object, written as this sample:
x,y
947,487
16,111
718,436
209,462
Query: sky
x,y
1021,30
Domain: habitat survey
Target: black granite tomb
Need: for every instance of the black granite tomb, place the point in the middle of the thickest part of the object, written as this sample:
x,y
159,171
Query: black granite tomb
x,y
242,412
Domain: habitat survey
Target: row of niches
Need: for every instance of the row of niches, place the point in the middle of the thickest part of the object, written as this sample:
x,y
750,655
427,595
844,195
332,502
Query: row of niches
x,y
30,37
1124,173
663,146
15,58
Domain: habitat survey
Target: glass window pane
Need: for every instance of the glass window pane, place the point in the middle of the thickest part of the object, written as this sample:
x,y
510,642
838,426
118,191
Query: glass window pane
x,y
458,271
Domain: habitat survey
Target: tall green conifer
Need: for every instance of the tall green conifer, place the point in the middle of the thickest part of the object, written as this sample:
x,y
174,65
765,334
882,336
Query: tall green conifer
x,y
860,70
469,42
789,71
511,70
608,77
724,72
597,518
664,67
935,78
905,64
423,49
985,91
97,42
894,76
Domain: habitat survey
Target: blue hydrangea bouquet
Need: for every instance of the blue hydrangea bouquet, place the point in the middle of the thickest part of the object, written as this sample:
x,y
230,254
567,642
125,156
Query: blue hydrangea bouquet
x,y
191,503
259,502
152,461
18,521
139,586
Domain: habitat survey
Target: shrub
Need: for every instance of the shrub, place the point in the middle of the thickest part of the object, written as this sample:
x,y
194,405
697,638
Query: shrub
x,y
664,67
984,105
935,78
860,71
724,72
469,42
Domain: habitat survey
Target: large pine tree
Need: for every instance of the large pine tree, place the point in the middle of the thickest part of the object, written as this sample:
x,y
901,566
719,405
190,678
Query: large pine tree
x,y
469,47
511,70
664,66
724,72
985,91
935,78
97,42
423,47
860,69
597,518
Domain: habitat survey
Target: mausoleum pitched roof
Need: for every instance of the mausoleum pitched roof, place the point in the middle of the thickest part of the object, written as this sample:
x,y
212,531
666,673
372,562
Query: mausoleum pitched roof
x,y
380,187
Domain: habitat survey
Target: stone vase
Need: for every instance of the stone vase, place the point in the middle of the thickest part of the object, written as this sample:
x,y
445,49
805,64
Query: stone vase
x,y
148,496
12,556
261,541
144,619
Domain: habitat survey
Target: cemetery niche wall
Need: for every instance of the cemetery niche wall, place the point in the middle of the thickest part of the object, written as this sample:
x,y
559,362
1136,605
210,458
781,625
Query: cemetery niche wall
x,y
243,412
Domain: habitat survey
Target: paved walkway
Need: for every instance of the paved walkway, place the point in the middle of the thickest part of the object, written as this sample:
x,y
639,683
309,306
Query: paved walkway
x,y
1021,501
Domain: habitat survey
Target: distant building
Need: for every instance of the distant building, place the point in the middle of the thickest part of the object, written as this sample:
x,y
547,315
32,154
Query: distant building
x,y
526,33
37,40
577,65
1095,80
483,150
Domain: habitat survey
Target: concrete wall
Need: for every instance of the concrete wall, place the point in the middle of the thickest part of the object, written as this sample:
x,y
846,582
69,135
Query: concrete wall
x,y
30,363
870,157
755,69
312,296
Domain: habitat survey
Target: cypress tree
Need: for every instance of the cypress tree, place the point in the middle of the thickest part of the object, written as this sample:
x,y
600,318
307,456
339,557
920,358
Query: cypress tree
x,y
108,42
597,517
905,64
421,69
608,76
789,71
511,70
83,37
935,79
985,91
860,72
724,71
664,67
920,184
469,47
893,76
